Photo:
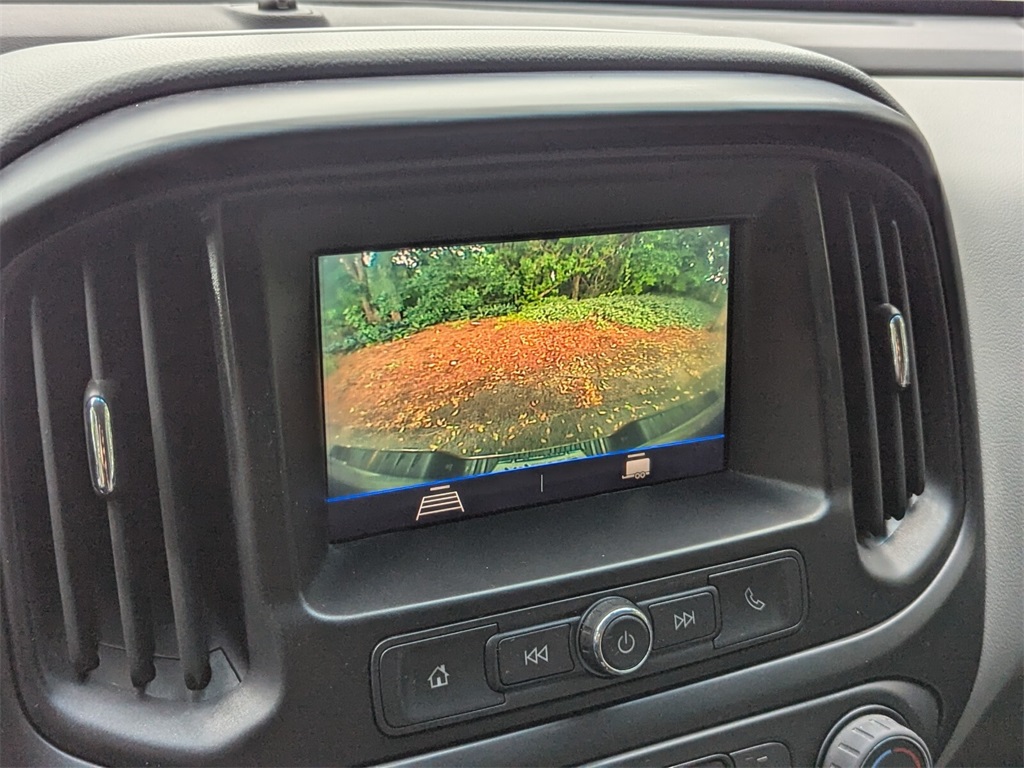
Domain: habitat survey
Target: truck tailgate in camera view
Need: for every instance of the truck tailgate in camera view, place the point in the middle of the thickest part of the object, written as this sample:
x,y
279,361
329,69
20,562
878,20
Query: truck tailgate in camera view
x,y
446,363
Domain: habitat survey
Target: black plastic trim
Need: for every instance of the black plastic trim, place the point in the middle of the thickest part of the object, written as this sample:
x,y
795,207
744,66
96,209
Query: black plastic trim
x,y
794,678
569,611
110,145
797,728
110,74
303,591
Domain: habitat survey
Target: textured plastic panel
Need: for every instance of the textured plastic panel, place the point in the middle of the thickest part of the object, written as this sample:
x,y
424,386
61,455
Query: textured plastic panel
x,y
314,613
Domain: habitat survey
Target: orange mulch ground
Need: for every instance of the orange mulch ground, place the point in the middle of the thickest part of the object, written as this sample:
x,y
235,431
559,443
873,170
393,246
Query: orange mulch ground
x,y
508,384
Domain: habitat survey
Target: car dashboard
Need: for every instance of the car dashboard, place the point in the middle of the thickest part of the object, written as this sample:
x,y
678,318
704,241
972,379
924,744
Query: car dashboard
x,y
511,384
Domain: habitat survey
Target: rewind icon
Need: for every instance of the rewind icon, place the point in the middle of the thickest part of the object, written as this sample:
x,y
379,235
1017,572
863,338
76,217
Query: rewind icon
x,y
535,655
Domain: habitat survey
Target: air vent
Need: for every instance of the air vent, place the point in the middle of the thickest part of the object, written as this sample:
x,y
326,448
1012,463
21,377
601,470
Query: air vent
x,y
866,241
114,424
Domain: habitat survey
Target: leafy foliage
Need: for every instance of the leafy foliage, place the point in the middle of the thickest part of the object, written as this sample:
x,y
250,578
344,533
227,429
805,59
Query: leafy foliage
x,y
646,312
371,297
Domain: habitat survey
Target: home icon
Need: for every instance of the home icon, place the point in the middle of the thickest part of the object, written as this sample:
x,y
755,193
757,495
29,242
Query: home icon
x,y
439,677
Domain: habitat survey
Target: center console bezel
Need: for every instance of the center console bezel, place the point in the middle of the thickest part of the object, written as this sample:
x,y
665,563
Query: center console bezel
x,y
783,380
271,200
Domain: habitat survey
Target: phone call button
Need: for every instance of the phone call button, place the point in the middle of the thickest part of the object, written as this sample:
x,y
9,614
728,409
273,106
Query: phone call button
x,y
759,600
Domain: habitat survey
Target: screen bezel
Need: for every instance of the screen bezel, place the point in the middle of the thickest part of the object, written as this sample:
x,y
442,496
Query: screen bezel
x,y
648,187
785,419
701,455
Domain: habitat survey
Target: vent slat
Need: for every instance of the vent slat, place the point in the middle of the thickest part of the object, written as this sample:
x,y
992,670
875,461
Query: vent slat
x,y
130,575
888,419
913,431
868,242
61,372
855,351
116,362
170,445
871,292
132,594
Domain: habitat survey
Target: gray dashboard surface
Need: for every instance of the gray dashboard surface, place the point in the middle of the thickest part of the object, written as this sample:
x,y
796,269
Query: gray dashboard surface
x,y
975,128
878,43
48,89
102,146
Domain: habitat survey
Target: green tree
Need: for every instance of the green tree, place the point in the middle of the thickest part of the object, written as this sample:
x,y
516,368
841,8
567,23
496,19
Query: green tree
x,y
384,278
577,267
380,295
458,283
692,262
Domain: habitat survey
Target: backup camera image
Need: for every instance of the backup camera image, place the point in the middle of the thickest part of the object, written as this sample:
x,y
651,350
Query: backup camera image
x,y
448,362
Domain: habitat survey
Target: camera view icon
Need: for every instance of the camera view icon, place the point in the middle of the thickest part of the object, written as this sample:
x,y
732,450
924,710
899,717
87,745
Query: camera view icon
x,y
436,502
638,466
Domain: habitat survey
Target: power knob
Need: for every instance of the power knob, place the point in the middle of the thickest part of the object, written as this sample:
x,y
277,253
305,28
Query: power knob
x,y
876,741
614,637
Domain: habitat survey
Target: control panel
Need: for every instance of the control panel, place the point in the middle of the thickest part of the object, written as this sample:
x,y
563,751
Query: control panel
x,y
544,652
773,754
875,740
887,724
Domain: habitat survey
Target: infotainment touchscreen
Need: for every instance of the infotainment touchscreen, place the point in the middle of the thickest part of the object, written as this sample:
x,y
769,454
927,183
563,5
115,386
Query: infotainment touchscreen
x,y
464,379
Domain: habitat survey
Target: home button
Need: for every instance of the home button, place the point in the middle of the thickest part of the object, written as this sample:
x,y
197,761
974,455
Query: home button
x,y
436,678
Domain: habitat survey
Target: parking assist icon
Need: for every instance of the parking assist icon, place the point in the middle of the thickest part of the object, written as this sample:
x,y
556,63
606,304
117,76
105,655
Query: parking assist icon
x,y
441,499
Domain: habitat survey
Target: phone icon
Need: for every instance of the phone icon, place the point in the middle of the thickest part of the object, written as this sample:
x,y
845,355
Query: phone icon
x,y
753,602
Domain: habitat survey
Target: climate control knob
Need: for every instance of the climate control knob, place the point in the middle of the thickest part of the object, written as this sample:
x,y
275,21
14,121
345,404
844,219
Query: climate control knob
x,y
614,637
876,741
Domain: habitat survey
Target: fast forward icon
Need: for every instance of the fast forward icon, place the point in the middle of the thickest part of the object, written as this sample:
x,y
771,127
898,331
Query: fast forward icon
x,y
685,620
